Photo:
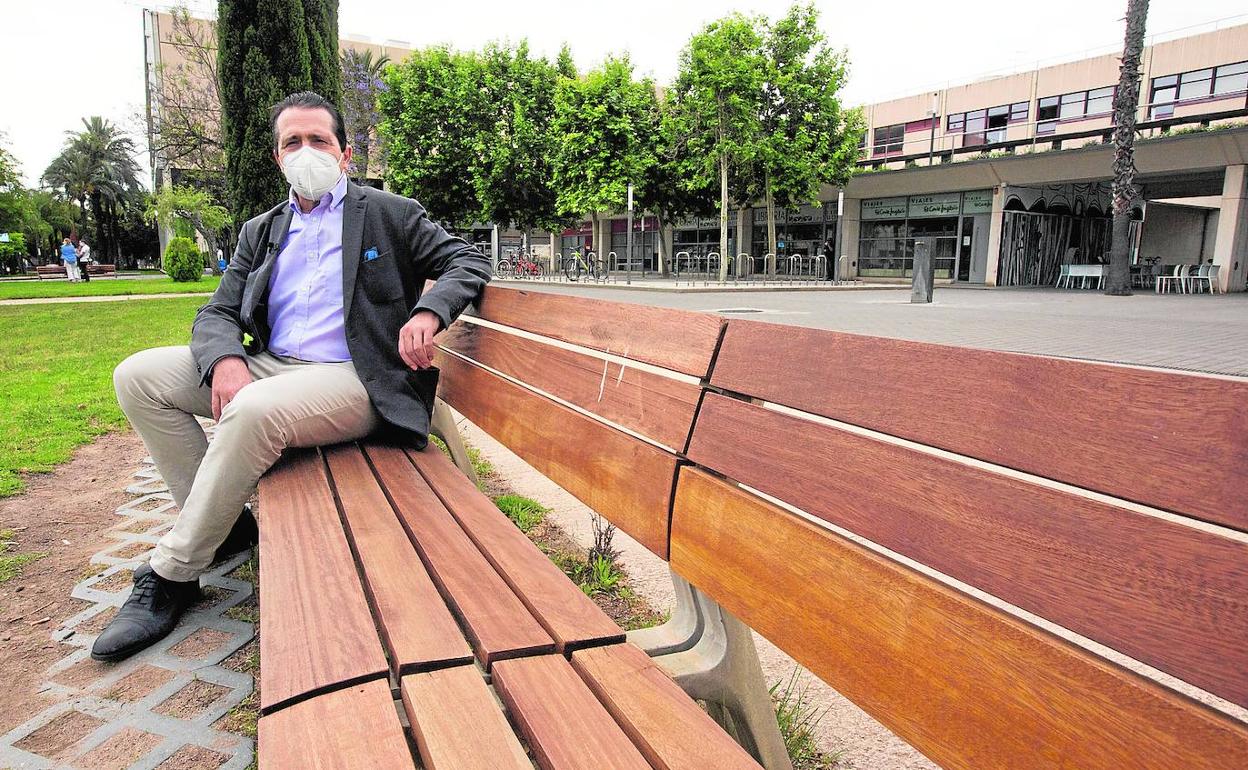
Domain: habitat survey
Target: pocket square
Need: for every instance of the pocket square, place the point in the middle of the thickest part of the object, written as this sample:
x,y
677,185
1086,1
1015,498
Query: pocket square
x,y
371,254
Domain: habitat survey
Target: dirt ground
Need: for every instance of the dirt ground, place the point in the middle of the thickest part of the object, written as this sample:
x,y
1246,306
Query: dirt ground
x,y
64,514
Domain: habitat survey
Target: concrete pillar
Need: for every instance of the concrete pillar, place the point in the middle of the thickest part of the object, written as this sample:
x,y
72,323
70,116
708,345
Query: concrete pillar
x,y
994,235
848,238
1230,245
745,222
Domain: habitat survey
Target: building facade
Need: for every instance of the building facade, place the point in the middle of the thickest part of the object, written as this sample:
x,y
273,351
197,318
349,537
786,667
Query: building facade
x,y
1004,180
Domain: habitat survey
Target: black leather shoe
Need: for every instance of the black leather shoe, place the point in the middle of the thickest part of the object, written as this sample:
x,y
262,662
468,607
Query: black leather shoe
x,y
243,535
148,615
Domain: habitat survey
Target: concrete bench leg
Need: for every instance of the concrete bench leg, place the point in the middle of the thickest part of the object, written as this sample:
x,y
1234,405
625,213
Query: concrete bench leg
x,y
443,426
721,668
681,632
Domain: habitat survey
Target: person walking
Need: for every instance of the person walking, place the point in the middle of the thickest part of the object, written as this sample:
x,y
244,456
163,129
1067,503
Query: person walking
x,y
84,260
829,255
69,255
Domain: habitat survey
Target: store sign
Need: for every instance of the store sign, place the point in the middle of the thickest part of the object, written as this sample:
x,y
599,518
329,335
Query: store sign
x,y
806,215
943,205
977,202
884,208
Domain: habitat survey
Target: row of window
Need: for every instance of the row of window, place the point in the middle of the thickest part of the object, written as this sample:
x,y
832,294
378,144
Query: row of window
x,y
988,125
1211,82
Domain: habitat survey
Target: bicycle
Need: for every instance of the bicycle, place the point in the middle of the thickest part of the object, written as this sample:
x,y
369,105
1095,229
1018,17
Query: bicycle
x,y
525,266
574,265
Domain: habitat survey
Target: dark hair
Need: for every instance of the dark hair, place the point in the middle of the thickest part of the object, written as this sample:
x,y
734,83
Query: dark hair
x,y
311,101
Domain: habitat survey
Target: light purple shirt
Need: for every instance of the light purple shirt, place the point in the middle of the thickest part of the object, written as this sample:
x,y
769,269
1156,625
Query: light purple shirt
x,y
305,289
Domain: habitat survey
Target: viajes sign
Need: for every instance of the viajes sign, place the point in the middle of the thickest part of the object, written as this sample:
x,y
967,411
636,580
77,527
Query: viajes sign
x,y
884,208
944,205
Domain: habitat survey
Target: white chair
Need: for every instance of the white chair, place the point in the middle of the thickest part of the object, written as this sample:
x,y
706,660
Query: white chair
x,y
1169,280
1202,275
1063,275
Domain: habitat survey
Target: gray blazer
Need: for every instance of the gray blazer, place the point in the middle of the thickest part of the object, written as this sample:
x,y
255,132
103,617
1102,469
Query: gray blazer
x,y
379,295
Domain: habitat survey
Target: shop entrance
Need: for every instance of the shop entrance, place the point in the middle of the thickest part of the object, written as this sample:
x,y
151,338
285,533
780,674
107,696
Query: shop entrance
x,y
973,249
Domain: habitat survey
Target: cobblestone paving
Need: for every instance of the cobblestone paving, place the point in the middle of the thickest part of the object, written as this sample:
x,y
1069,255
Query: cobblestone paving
x,y
163,701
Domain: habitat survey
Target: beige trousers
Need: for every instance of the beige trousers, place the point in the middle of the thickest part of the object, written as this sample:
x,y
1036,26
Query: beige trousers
x,y
290,403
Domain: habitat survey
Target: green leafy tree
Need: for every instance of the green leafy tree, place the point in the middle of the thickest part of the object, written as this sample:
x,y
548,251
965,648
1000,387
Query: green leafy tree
x,y
268,49
715,103
513,172
432,114
806,138
12,252
667,191
194,206
606,126
362,83
96,168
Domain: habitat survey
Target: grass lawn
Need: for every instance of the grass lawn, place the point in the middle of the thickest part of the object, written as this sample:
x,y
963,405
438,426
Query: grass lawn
x,y
100,287
56,373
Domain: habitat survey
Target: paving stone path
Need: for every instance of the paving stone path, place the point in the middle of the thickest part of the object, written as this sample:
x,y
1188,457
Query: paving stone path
x,y
158,707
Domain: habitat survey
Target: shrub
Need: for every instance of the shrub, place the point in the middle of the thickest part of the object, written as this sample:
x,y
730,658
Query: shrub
x,y
183,262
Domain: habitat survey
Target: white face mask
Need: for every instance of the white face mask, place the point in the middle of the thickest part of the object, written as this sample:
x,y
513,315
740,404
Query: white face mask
x,y
311,172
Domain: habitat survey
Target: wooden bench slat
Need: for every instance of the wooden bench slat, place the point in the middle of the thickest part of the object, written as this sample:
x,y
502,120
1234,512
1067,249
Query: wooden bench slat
x,y
416,625
657,407
680,340
325,732
497,623
1167,594
966,684
672,732
1124,431
624,479
310,590
457,723
565,725
563,609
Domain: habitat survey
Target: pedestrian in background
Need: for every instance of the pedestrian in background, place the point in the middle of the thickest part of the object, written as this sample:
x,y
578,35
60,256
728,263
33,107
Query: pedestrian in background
x,y
69,255
84,260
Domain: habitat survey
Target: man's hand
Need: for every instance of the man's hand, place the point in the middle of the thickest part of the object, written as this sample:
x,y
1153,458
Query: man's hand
x,y
229,376
416,339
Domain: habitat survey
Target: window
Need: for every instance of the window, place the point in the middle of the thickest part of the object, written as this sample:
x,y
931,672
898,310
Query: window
x,y
1073,106
889,139
1100,101
1193,85
1231,78
987,125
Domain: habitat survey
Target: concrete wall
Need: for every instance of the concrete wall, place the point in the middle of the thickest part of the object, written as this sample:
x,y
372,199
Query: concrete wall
x,y
1177,234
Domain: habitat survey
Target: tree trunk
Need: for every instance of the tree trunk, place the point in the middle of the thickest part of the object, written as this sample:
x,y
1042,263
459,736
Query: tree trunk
x,y
723,216
771,230
1126,103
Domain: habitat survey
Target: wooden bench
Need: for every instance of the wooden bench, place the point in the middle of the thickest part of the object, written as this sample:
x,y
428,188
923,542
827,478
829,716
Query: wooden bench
x,y
94,269
1009,560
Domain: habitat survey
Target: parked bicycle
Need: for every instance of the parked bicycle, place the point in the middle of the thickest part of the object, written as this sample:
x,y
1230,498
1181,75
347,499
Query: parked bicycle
x,y
519,263
575,266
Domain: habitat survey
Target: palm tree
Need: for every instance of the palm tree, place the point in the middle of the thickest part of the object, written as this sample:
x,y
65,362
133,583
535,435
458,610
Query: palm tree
x,y
97,166
1126,103
361,82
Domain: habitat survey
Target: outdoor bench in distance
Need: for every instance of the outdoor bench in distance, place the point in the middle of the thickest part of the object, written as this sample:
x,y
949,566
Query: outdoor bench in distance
x,y
975,547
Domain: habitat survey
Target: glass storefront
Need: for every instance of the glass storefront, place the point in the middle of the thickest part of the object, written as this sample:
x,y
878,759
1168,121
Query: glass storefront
x,y
800,231
892,229
700,236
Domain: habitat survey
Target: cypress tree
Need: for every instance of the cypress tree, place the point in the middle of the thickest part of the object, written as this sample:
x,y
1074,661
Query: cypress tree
x,y
268,49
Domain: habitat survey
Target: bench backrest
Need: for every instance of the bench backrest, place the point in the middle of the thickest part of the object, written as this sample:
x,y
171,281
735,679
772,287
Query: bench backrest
x,y
968,544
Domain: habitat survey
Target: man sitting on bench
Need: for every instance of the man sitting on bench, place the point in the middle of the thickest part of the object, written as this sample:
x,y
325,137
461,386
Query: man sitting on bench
x,y
328,285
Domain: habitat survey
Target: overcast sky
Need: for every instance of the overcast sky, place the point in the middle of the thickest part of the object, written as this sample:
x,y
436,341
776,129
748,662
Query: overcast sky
x,y
65,59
